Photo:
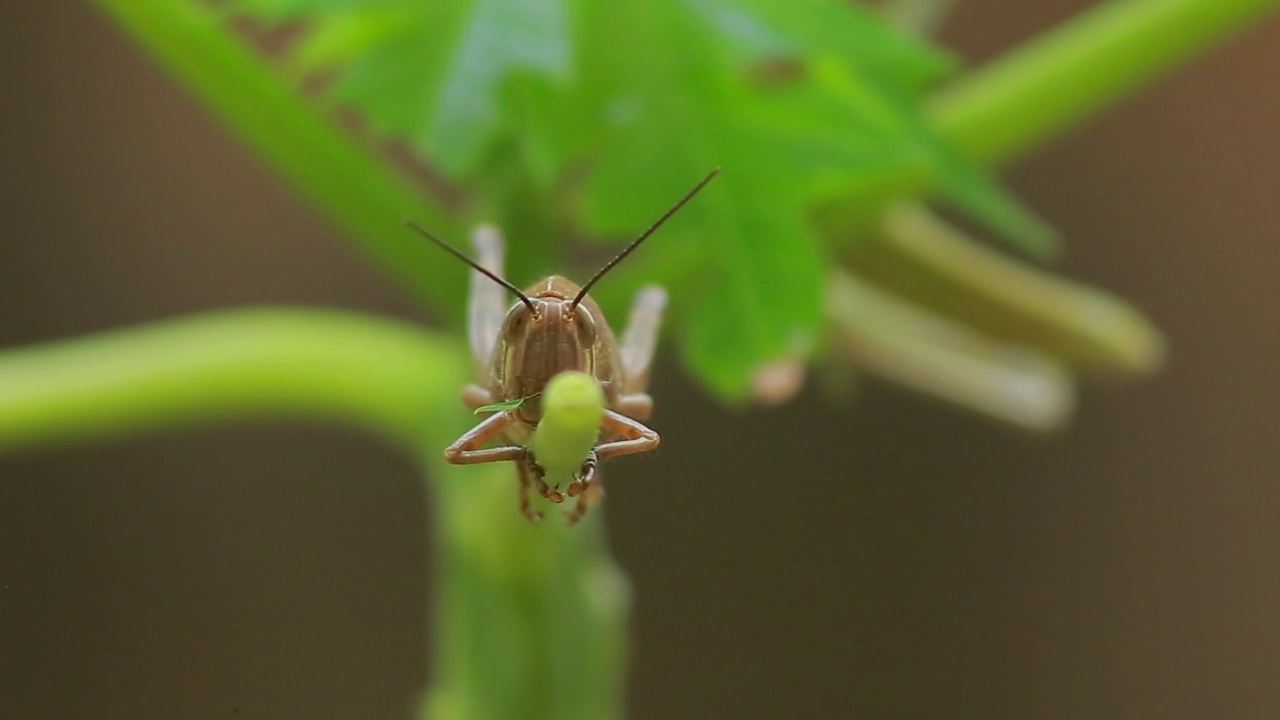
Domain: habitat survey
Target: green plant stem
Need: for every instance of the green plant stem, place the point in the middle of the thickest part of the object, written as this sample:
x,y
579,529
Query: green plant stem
x,y
913,346
922,259
349,184
1035,92
306,364
530,620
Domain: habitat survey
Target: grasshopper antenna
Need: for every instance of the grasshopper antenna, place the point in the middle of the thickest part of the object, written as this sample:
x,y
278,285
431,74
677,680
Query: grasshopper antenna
x,y
474,265
643,236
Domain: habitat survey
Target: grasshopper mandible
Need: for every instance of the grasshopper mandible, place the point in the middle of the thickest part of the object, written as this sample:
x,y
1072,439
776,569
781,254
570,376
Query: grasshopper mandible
x,y
553,327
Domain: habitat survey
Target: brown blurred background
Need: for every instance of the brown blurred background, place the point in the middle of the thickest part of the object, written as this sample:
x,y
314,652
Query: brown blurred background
x,y
891,559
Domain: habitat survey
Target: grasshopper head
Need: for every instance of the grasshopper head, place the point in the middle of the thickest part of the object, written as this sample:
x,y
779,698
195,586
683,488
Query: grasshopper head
x,y
547,336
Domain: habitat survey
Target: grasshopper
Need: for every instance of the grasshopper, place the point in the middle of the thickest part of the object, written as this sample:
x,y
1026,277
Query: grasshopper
x,y
553,327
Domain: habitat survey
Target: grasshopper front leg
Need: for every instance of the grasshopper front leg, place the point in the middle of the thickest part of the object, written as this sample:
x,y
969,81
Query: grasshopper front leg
x,y
590,492
469,449
531,476
632,436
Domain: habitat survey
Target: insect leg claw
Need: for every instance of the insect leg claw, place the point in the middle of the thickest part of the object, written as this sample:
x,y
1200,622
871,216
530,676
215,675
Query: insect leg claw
x,y
585,475
538,474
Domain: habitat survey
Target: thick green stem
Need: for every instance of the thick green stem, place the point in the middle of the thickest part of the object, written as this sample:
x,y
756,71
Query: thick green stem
x,y
307,364
921,258
530,620
1035,92
908,344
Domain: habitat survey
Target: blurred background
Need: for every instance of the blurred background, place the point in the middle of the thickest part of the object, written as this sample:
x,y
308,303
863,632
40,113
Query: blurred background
x,y
890,558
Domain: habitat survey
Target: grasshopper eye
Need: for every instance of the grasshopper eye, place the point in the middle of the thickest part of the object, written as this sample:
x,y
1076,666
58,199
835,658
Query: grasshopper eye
x,y
584,324
518,322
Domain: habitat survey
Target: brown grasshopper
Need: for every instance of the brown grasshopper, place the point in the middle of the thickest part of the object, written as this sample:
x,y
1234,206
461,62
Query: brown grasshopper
x,y
554,326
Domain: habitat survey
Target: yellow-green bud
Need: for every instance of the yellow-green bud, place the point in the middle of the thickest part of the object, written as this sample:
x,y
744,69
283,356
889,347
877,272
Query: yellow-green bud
x,y
572,408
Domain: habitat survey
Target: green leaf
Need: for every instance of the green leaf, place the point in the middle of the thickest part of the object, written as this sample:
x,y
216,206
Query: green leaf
x,y
764,29
529,95
974,190
977,193
688,116
432,73
333,45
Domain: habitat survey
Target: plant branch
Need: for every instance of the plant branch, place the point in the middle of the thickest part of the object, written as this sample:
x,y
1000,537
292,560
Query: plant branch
x,y
913,346
923,259
391,378
1035,92
530,620
350,185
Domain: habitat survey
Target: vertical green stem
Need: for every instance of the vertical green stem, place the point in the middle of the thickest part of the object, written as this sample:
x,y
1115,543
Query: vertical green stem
x,y
530,620
1035,92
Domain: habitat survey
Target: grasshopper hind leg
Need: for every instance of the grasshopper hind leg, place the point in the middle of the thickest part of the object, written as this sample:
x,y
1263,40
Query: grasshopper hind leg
x,y
640,340
639,343
486,304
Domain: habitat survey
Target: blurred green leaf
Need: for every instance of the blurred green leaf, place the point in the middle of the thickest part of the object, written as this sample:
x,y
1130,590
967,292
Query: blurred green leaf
x,y
431,73
689,109
582,116
765,29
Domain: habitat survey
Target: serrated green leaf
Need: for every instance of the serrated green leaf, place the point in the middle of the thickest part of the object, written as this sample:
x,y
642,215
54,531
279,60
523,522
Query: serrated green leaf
x,y
688,110
646,97
431,73
500,37
765,303
342,40
882,110
763,29
975,191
